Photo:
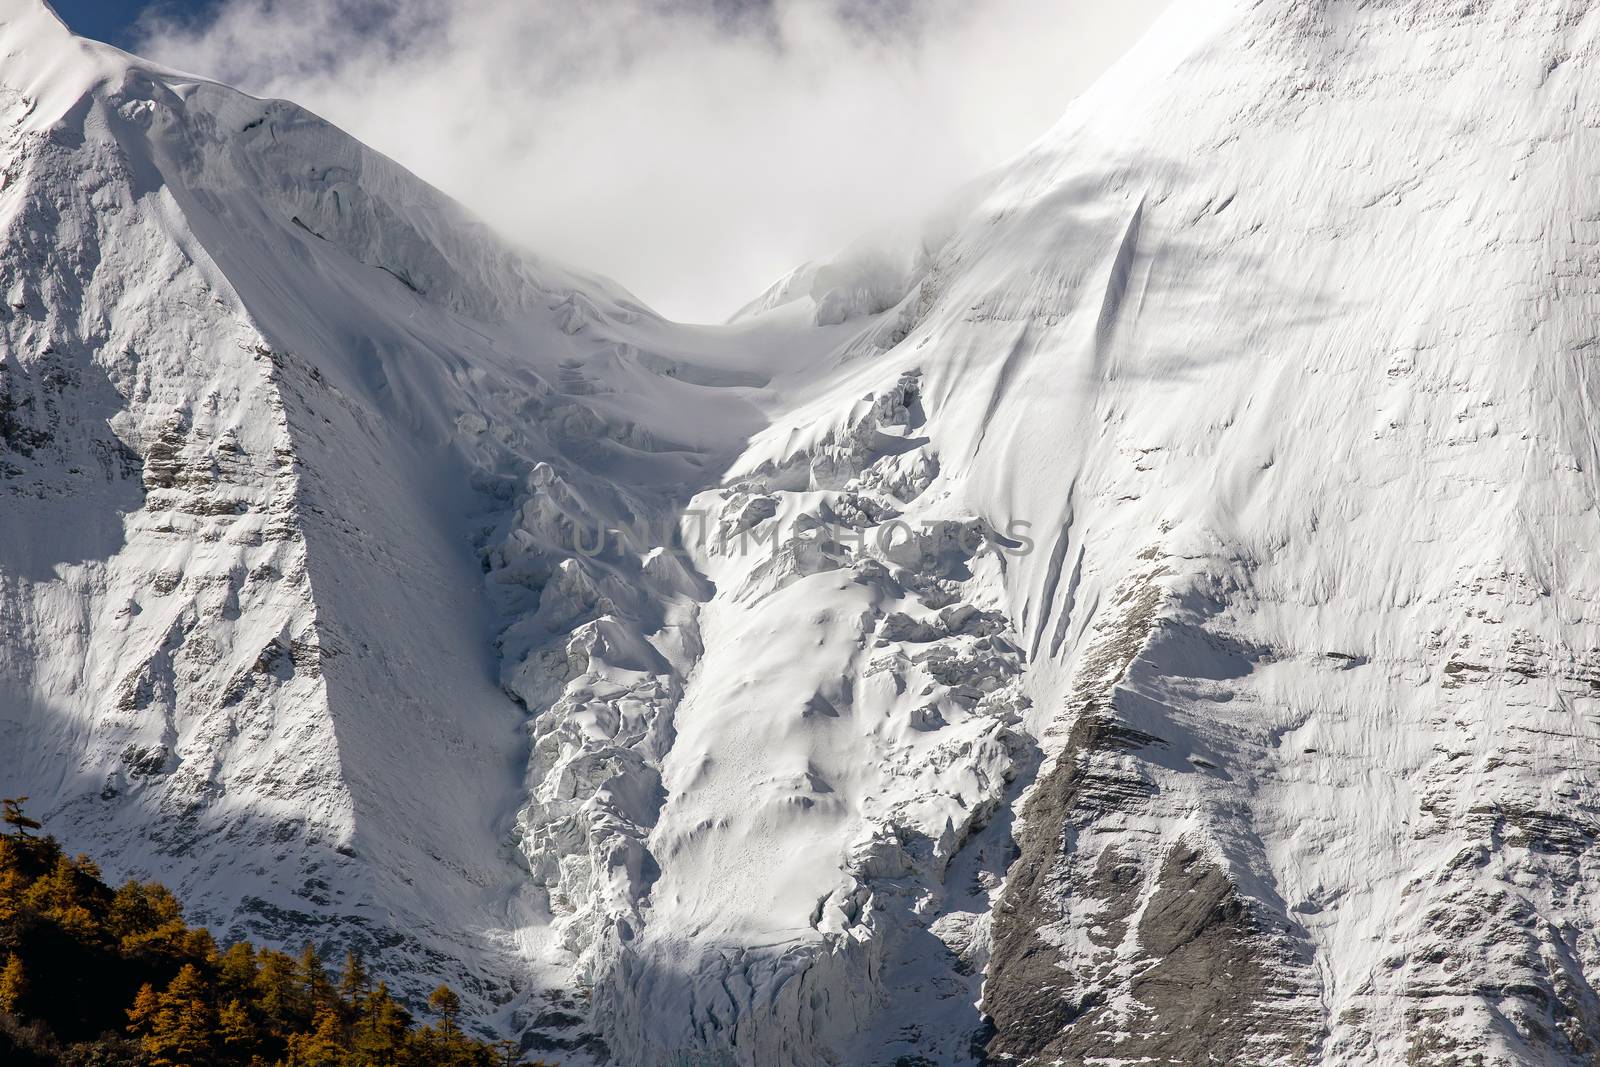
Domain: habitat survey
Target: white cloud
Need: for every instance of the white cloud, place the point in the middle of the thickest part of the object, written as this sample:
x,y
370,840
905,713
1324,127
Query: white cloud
x,y
694,150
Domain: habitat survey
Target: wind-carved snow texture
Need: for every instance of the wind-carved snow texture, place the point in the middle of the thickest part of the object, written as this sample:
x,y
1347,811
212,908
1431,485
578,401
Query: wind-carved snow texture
x,y
1145,617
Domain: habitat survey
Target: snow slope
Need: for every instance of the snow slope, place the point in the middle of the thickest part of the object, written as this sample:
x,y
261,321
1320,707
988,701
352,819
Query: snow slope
x,y
1143,618
271,406
1279,342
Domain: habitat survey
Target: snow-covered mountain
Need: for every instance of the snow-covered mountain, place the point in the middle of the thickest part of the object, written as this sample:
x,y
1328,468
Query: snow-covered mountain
x,y
1144,618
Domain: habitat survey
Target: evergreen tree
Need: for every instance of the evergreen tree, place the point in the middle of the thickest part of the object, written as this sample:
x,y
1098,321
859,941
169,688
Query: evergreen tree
x,y
178,1028
13,986
74,955
13,882
71,895
11,814
197,945
146,916
236,970
278,993
236,1030
446,1005
354,982
380,1033
146,1005
444,1045
22,861
319,991
195,1022
323,1046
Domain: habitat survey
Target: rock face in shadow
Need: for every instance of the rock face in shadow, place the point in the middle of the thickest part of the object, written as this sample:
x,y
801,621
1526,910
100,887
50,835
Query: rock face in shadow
x,y
1178,967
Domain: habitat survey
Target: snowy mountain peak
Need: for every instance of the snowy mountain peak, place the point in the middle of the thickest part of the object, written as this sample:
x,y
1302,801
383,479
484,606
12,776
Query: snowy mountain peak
x,y
1142,616
46,62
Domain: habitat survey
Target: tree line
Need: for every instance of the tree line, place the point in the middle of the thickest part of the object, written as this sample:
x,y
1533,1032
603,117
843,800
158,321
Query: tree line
x,y
92,976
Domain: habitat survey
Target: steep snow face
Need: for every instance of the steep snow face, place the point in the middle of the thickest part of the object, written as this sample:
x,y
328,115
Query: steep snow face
x,y
278,429
1143,618
1281,342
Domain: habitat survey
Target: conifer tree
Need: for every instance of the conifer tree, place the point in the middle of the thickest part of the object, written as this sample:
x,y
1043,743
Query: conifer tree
x,y
145,915
70,894
95,952
236,1030
13,986
322,1046
278,992
354,982
11,814
178,1027
319,991
446,1005
444,1045
236,970
141,1017
13,882
380,1034
196,944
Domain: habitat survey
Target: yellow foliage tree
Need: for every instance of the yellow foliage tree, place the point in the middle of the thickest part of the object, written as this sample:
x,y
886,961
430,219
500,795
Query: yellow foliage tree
x,y
323,1046
177,1028
13,986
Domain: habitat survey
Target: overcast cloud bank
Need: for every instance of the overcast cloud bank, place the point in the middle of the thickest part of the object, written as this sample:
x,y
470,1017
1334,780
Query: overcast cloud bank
x,y
693,151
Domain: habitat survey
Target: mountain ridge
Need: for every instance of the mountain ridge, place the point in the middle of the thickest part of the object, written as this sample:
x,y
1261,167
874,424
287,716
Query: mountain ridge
x,y
1143,615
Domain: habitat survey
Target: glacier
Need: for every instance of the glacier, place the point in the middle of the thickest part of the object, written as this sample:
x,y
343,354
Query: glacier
x,y
1139,617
